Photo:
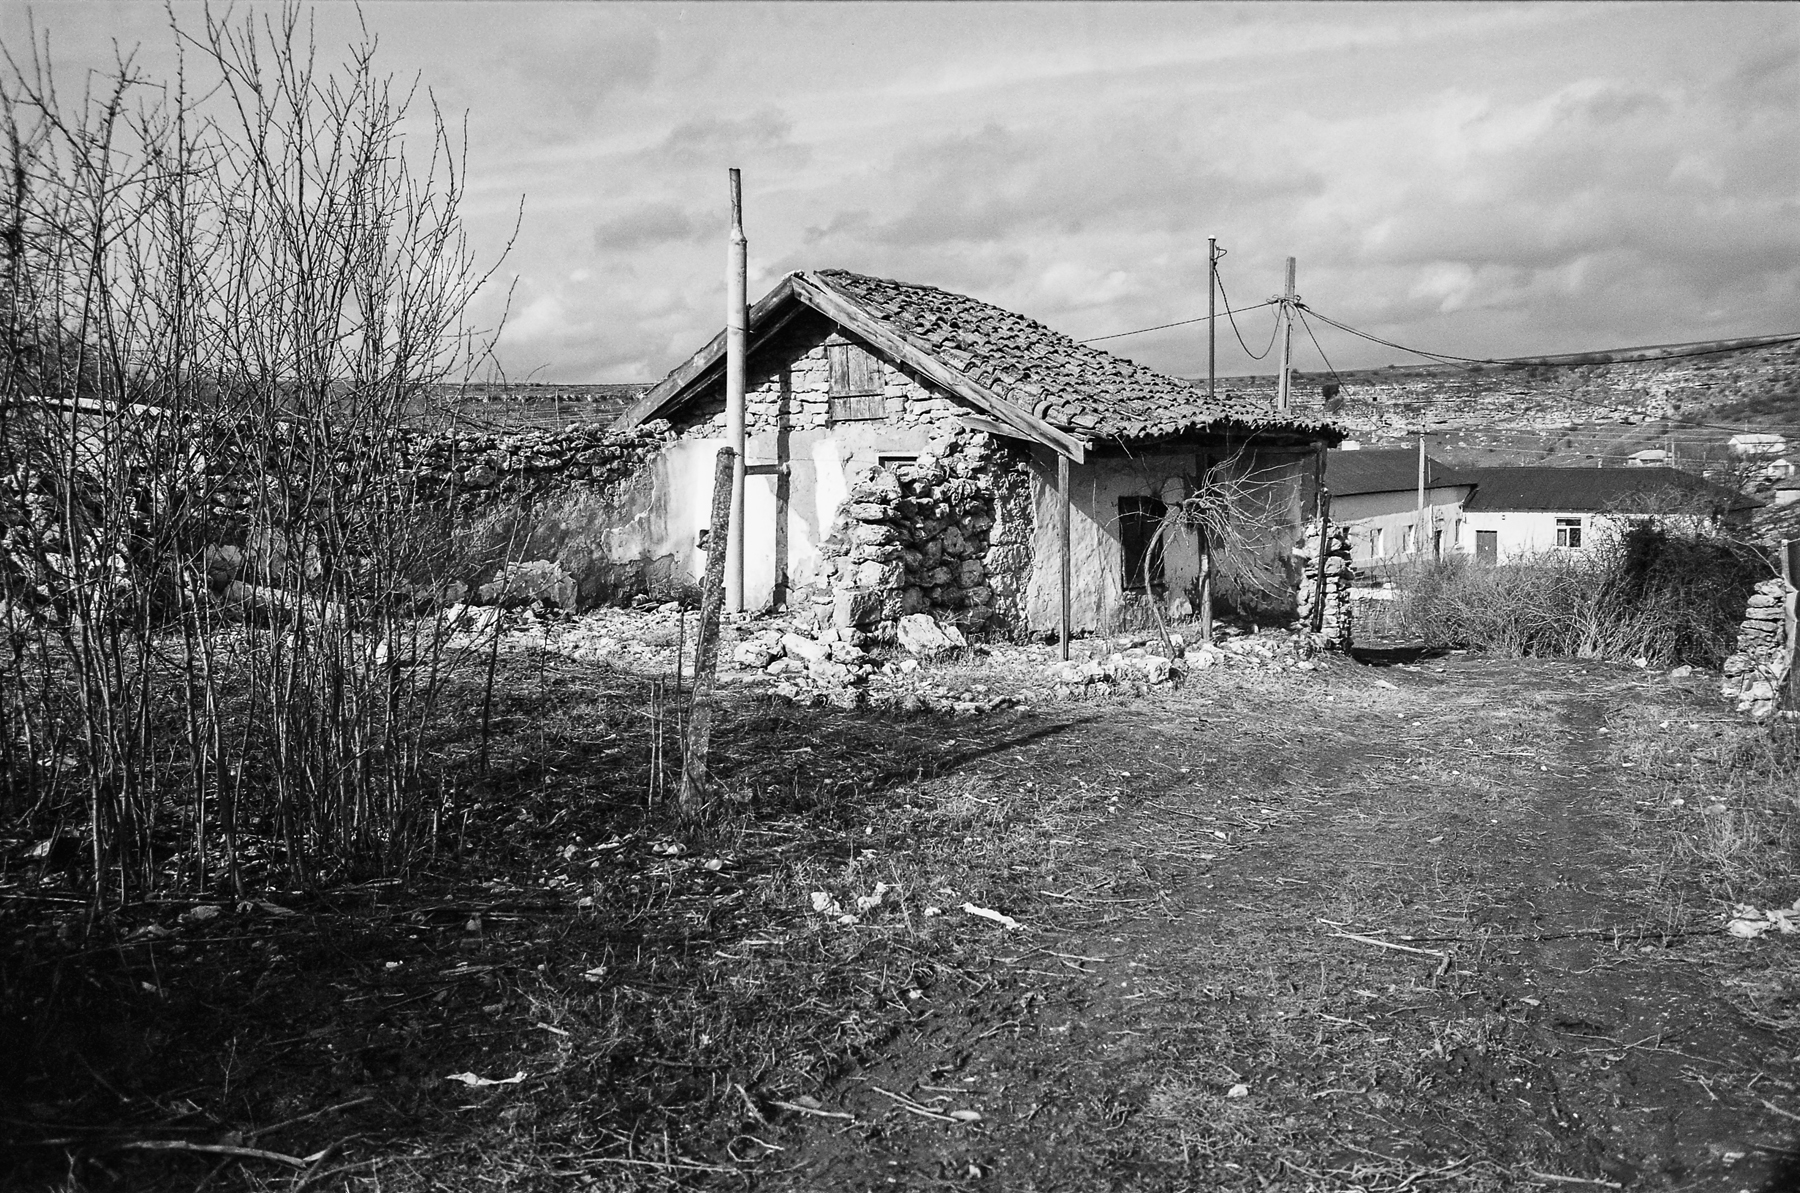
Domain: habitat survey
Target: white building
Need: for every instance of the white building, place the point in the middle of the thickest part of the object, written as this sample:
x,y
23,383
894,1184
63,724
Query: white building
x,y
1513,513
1375,492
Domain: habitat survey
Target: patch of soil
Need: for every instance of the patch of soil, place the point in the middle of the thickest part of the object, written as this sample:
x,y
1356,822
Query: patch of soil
x,y
1384,930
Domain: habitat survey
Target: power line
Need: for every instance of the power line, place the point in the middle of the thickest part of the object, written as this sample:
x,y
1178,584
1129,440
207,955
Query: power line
x,y
1473,360
1220,278
1315,342
1164,326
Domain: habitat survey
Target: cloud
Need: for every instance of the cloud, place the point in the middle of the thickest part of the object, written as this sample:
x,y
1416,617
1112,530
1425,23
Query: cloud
x,y
711,140
645,226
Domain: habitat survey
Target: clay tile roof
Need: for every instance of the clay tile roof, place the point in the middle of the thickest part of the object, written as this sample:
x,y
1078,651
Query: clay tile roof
x,y
1074,387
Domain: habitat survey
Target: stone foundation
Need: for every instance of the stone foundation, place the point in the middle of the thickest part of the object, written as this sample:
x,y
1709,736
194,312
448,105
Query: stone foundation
x,y
1755,675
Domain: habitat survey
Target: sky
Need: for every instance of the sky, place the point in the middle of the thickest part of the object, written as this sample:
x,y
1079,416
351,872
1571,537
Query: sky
x,y
1485,180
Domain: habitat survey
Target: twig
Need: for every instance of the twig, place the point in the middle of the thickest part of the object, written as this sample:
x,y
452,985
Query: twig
x,y
214,1149
815,1111
1383,944
906,1103
261,1131
1779,1110
1573,1180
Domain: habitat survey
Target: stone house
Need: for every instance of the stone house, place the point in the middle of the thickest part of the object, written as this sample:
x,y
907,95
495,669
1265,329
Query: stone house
x,y
914,450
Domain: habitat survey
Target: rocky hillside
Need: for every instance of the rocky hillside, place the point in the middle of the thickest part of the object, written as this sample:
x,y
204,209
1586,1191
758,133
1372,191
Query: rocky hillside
x,y
1582,407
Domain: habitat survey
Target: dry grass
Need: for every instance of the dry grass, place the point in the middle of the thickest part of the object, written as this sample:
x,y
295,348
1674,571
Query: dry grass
x,y
1192,871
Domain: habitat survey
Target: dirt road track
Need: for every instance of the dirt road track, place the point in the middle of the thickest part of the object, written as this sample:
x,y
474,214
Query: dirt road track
x,y
1193,1010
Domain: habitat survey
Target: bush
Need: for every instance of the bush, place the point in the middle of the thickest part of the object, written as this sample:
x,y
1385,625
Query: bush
x,y
1659,591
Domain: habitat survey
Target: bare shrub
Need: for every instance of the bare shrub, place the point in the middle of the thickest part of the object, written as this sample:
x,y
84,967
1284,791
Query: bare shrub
x,y
219,305
1662,591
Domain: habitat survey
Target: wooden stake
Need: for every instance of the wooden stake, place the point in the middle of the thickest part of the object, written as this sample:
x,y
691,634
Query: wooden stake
x,y
695,781
1062,537
1790,605
1318,610
1206,600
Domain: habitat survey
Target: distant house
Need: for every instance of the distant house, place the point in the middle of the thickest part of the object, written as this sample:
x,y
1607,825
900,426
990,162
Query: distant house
x,y
1375,493
1650,456
1516,512
1757,445
914,450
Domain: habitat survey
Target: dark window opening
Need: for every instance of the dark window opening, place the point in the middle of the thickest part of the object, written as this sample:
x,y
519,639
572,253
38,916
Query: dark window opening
x,y
1568,532
1139,518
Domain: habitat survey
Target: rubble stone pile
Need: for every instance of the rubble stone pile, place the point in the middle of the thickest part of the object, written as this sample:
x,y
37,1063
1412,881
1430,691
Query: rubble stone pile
x,y
944,535
1137,660
1335,630
1755,674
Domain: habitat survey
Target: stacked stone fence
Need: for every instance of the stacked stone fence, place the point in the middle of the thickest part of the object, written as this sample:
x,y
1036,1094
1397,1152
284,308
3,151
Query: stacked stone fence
x,y
1334,624
1760,675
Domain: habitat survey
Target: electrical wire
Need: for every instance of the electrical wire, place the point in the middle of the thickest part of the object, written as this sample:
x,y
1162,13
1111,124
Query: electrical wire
x,y
1301,311
1220,278
1163,326
1444,356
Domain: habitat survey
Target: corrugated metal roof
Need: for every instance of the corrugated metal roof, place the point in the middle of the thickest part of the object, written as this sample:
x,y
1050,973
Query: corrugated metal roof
x,y
1593,490
1379,470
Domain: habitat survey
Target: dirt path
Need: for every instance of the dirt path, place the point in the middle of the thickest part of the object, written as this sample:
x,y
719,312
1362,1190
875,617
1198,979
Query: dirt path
x,y
1193,1008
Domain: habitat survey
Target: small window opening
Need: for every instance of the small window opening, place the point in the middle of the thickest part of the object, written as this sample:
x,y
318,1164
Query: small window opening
x,y
1139,518
1568,532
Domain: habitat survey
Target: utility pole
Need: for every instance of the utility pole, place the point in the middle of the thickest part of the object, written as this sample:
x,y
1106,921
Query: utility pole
x,y
1419,521
1212,289
737,322
1287,336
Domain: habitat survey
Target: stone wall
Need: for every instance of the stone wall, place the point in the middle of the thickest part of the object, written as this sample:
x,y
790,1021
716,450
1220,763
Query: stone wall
x,y
787,388
484,487
1755,675
482,468
945,535
1340,575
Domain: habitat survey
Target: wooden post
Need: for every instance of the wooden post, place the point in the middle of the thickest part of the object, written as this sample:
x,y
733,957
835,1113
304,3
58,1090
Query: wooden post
x,y
1212,290
1318,612
1062,537
1790,572
695,779
736,338
1419,518
1206,569
1287,336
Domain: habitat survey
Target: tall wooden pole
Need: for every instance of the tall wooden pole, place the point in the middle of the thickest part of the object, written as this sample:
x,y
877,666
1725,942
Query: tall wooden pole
x,y
1287,335
1066,578
737,322
1419,518
695,777
1212,290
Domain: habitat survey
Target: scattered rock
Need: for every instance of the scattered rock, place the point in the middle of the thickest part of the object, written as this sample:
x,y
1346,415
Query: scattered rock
x,y
921,635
